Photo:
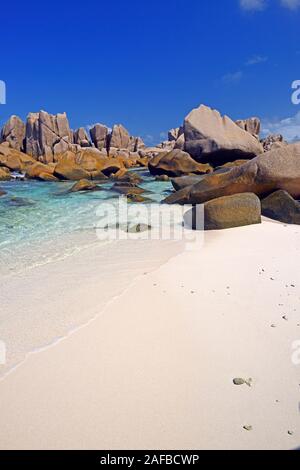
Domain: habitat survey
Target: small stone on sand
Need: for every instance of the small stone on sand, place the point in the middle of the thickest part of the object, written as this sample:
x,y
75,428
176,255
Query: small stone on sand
x,y
248,428
239,381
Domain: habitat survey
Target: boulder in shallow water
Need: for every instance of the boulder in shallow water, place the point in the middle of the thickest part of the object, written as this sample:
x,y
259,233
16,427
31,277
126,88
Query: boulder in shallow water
x,y
137,198
225,212
127,189
2,193
177,163
84,185
282,207
20,202
123,175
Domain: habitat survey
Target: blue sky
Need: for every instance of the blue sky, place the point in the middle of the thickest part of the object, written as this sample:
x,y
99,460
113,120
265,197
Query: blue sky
x,y
147,63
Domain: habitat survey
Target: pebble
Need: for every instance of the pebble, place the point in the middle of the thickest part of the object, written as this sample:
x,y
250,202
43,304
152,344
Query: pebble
x,y
248,428
290,433
239,381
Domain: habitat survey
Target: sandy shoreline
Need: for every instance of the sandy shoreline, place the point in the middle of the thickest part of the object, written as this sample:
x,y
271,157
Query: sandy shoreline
x,y
155,369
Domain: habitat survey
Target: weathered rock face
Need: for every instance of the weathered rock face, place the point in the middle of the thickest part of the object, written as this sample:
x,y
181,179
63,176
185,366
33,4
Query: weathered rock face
x,y
125,176
41,172
174,134
225,212
91,160
13,159
185,181
176,163
84,185
112,166
99,135
229,165
67,170
127,189
273,141
180,142
136,144
251,125
277,169
281,206
47,134
119,137
4,174
209,137
13,132
81,137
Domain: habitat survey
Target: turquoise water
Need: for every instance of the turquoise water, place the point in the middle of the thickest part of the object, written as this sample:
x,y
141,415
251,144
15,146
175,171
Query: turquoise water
x,y
41,221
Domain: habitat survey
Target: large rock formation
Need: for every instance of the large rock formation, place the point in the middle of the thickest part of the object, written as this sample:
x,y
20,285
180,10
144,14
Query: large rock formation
x,y
176,163
209,137
47,134
225,212
99,134
13,159
45,137
277,169
81,137
67,170
251,125
13,132
40,171
281,206
119,137
174,134
273,141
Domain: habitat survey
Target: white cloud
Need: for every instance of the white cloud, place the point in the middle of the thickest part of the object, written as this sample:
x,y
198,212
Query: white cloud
x,y
256,59
232,77
259,5
253,5
291,4
289,127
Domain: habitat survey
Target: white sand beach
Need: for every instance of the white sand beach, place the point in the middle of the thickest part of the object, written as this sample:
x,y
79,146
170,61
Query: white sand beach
x,y
155,368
